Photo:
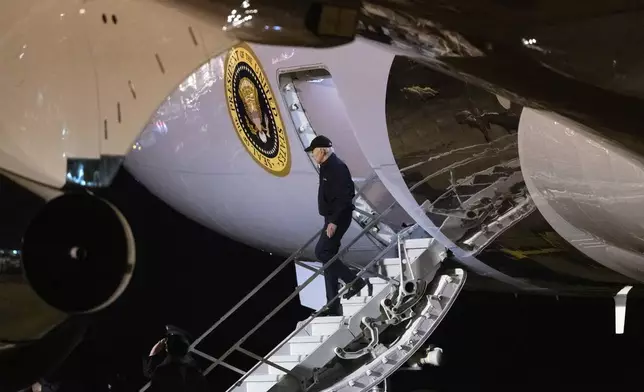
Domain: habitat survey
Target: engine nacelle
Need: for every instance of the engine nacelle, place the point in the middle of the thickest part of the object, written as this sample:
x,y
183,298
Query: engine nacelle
x,y
588,188
78,254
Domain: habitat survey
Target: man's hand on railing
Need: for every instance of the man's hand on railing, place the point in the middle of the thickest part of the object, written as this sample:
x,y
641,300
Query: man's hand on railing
x,y
330,229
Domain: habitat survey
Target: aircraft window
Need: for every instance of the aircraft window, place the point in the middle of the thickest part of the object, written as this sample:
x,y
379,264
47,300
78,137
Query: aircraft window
x,y
104,18
114,20
93,173
130,84
161,67
193,36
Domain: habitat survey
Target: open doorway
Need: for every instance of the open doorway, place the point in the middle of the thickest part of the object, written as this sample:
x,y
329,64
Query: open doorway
x,y
316,108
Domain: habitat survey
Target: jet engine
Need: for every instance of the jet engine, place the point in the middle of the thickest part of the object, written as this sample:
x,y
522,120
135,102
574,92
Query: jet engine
x,y
78,253
77,257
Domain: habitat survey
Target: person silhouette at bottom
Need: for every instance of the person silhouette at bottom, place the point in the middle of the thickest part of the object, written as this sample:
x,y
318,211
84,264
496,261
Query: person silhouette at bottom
x,y
171,367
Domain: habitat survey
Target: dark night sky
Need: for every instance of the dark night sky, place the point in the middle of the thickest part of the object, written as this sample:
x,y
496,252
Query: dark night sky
x,y
189,276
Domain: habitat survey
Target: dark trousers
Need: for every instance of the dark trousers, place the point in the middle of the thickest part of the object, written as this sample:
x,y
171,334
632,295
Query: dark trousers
x,y
325,249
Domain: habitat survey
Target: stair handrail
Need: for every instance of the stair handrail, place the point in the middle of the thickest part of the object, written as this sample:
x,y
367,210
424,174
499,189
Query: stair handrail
x,y
301,287
403,233
285,263
270,276
482,155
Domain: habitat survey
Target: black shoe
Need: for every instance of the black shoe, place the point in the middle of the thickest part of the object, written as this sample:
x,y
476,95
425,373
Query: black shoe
x,y
355,289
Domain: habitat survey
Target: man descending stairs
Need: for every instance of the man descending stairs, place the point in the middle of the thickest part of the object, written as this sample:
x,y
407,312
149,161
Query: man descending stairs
x,y
336,191
381,327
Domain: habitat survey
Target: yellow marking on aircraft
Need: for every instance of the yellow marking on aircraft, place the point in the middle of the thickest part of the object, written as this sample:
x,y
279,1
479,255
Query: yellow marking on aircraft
x,y
525,254
552,238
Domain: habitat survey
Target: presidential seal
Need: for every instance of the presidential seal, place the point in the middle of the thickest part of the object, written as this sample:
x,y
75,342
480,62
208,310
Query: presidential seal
x,y
254,112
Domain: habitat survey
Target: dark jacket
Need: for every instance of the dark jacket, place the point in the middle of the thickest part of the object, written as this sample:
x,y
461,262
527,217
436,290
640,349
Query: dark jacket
x,y
336,189
175,375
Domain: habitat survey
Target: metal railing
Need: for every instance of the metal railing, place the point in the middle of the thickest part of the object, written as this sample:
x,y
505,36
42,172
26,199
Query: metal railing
x,y
301,287
317,272
355,266
292,258
302,326
362,216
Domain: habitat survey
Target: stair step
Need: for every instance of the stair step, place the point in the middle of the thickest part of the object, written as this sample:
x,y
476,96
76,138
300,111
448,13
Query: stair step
x,y
390,267
324,326
353,305
416,247
328,320
302,345
286,361
307,339
417,243
390,261
377,283
355,300
263,378
261,382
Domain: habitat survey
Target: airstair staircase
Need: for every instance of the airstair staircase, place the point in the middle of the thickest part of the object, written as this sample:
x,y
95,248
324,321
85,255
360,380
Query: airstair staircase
x,y
319,340
381,328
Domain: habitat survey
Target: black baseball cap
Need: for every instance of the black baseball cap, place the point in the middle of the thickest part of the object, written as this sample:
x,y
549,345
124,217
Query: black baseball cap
x,y
174,330
319,142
